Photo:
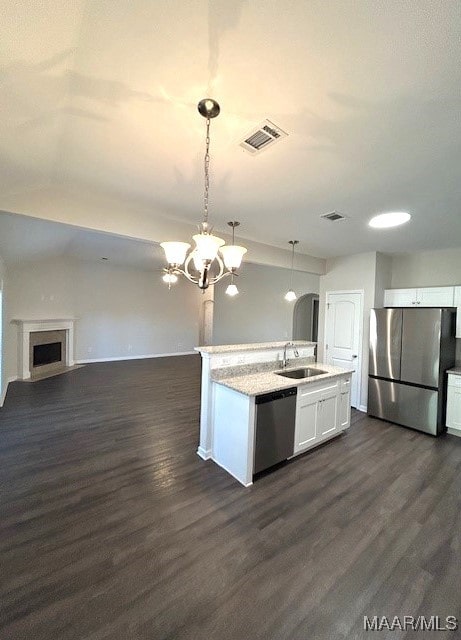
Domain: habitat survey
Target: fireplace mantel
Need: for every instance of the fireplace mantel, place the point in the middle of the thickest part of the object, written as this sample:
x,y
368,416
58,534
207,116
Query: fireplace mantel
x,y
27,326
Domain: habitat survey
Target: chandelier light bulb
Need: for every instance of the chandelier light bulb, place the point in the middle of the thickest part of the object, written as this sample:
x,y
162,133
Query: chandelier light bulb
x,y
232,290
170,278
175,252
207,245
232,255
290,295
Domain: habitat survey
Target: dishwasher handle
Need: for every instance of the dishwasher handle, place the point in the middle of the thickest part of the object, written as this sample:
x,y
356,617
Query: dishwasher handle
x,y
276,395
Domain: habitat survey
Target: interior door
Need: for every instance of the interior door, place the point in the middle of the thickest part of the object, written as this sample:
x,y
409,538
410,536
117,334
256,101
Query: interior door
x,y
343,335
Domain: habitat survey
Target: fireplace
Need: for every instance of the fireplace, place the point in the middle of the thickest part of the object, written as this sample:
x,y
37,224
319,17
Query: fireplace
x,y
45,347
46,354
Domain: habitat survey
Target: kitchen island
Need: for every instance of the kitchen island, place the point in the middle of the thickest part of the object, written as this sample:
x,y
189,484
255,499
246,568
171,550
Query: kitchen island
x,y
238,379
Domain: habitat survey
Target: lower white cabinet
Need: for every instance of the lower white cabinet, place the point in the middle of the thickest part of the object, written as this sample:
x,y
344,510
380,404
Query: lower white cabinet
x,y
345,404
454,403
322,410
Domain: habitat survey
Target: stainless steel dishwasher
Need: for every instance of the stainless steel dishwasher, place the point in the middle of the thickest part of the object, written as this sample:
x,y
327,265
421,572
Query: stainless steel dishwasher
x,y
275,428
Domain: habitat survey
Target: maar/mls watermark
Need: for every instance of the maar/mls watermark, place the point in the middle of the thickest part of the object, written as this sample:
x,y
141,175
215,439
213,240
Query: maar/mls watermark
x,y
410,623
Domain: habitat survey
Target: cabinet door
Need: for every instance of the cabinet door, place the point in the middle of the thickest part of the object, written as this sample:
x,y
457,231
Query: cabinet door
x,y
454,406
306,422
344,410
457,303
435,297
328,412
400,297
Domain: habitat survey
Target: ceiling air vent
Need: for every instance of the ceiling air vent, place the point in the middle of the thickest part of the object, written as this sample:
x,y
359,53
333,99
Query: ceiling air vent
x,y
264,136
333,216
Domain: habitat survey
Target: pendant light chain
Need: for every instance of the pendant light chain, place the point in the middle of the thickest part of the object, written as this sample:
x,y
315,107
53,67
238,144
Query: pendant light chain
x,y
292,264
207,172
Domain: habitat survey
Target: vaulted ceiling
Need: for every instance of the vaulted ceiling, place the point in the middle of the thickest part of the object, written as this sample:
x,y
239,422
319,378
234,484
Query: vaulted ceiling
x,y
100,97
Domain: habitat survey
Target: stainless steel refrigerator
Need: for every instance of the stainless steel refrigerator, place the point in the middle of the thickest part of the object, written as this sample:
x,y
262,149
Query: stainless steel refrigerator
x,y
410,350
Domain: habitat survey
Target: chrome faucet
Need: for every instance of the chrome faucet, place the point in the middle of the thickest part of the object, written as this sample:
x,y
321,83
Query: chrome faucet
x,y
285,359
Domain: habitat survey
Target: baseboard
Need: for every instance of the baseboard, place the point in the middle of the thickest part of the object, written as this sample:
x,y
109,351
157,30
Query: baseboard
x,y
144,357
203,453
2,399
362,408
245,484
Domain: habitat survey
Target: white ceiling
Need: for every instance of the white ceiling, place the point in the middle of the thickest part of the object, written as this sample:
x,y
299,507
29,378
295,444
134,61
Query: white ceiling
x,y
24,239
100,96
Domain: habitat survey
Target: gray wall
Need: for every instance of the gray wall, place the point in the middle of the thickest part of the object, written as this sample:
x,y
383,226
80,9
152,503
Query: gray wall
x,y
121,312
427,269
259,313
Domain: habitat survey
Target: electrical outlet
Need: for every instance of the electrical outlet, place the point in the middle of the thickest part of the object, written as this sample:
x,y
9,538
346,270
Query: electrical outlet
x,y
130,347
90,349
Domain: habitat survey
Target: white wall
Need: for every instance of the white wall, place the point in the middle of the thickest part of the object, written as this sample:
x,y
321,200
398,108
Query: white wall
x,y
259,313
427,268
351,273
121,312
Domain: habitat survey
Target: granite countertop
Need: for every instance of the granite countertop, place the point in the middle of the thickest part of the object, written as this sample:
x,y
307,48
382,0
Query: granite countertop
x,y
456,371
264,381
256,346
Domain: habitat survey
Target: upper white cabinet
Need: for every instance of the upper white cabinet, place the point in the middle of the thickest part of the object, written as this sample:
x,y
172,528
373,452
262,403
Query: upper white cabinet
x,y
435,296
399,297
423,297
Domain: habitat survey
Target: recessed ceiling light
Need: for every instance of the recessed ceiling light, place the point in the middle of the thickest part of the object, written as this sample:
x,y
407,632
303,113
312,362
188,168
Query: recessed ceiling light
x,y
391,219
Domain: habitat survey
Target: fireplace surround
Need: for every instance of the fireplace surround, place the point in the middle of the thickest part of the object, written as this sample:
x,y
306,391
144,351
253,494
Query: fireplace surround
x,y
39,333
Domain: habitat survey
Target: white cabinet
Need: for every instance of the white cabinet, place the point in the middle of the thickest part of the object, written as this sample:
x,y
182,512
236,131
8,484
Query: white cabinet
x,y
328,412
322,410
457,303
306,418
399,297
422,297
454,404
435,296
345,404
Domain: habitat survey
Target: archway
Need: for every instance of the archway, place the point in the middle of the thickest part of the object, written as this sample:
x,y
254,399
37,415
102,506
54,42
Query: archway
x,y
306,317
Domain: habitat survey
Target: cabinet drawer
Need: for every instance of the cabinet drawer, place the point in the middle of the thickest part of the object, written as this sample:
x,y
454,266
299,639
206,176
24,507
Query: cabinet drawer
x,y
311,393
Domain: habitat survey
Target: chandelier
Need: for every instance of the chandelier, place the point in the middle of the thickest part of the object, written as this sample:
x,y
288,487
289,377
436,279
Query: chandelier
x,y
196,264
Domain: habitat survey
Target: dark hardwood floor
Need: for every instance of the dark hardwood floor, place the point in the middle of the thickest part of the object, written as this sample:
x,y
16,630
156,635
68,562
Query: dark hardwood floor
x,y
113,528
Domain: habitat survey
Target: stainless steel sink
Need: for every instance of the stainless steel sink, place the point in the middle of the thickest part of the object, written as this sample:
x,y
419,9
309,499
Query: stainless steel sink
x,y
306,372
